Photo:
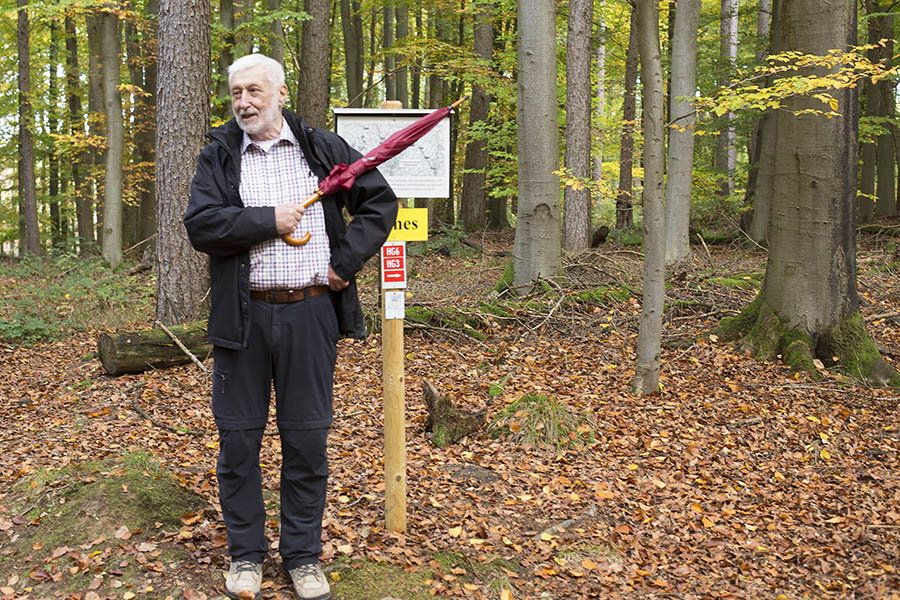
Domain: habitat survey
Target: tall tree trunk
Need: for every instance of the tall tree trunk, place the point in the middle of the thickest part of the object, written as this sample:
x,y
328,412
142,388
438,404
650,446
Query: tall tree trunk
x,y
276,40
182,121
416,100
31,244
57,215
759,216
370,72
390,78
351,24
884,90
600,108
313,93
84,214
726,151
763,29
131,212
146,143
537,248
808,306
401,14
243,39
115,145
472,203
681,136
576,233
646,376
625,194
226,57
96,116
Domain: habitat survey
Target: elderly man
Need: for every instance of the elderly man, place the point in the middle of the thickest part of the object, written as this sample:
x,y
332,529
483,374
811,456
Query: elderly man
x,y
277,310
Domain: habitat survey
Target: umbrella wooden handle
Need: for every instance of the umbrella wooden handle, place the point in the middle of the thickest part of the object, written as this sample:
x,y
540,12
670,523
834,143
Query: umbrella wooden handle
x,y
303,240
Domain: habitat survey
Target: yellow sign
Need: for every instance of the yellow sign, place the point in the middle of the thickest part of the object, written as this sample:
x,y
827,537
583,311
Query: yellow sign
x,y
411,226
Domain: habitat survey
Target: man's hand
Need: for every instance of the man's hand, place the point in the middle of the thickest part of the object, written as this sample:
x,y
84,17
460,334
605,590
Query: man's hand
x,y
287,216
335,283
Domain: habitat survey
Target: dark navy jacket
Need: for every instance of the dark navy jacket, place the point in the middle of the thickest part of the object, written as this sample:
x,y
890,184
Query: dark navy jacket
x,y
219,224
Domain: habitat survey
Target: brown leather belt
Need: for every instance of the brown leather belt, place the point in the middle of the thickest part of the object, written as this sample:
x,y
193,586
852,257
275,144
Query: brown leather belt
x,y
284,296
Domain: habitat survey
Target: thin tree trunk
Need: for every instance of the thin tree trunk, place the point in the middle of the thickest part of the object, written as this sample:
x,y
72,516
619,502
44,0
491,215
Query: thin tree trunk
x,y
351,24
112,181
315,54
473,199
96,117
625,195
276,41
84,214
646,377
370,79
600,108
681,136
884,89
416,100
577,204
726,156
537,247
183,118
390,78
31,244
57,215
243,39
226,57
147,137
401,15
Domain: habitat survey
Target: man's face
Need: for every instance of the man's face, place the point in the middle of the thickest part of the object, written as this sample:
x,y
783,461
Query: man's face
x,y
256,103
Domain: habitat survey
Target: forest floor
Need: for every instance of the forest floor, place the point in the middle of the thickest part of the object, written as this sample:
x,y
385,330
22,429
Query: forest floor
x,y
740,479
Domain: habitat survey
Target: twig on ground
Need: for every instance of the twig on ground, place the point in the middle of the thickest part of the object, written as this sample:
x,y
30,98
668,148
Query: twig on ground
x,y
183,347
889,315
592,511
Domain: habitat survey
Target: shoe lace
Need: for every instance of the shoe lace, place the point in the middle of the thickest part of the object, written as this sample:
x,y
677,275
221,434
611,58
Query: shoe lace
x,y
244,565
306,571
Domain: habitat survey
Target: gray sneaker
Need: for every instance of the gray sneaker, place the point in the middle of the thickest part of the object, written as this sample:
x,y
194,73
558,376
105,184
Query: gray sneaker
x,y
310,583
244,580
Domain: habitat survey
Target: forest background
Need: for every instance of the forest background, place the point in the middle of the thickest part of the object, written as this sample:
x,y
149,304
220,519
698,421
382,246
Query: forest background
x,y
100,133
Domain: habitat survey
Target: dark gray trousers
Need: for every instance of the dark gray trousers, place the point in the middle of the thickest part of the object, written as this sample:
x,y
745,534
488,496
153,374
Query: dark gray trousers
x,y
293,346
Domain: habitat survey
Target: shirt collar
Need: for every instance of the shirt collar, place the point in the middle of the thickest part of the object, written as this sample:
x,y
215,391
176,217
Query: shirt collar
x,y
286,135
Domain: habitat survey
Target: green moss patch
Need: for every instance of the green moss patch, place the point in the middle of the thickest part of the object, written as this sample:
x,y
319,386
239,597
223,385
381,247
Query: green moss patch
x,y
743,281
370,580
537,419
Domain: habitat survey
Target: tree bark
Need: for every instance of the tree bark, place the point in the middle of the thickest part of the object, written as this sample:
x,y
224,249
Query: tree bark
x,y
473,199
537,246
577,203
226,57
243,39
681,136
313,90
84,214
31,244
401,15
57,213
600,108
625,194
115,136
390,79
885,189
96,116
276,33
808,306
182,121
147,137
351,24
726,151
646,377
151,349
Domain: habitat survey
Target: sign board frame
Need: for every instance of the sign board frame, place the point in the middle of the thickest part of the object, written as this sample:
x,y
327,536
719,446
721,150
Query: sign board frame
x,y
420,171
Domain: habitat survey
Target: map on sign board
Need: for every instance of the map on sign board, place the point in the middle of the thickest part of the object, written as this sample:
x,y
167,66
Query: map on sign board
x,y
420,171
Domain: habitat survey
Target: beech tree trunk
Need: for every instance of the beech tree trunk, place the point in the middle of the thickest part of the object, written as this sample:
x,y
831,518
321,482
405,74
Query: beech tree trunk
x,y
390,78
351,24
577,204
276,39
226,57
57,218
646,376
726,151
84,214
600,108
313,89
759,179
401,15
808,306
537,246
30,245
97,115
473,200
681,136
182,120
115,136
146,141
625,194
885,188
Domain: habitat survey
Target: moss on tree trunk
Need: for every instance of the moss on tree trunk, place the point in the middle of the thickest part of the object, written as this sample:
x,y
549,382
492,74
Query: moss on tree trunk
x,y
847,345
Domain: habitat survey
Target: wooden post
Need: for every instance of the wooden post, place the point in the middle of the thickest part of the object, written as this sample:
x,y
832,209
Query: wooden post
x,y
394,423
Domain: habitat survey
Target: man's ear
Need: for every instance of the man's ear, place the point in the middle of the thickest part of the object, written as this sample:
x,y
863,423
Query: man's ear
x,y
282,95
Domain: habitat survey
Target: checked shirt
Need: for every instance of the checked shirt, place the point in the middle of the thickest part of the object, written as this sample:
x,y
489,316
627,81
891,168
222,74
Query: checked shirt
x,y
272,173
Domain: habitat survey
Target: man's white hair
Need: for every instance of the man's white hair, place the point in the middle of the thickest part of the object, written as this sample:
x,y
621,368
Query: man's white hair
x,y
272,68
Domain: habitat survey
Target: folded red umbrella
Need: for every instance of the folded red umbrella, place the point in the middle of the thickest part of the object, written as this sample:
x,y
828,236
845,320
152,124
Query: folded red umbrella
x,y
342,176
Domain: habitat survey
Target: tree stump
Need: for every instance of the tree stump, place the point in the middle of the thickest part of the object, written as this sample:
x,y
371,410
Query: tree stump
x,y
446,423
151,349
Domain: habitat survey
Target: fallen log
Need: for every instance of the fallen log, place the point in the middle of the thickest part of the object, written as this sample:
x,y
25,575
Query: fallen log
x,y
151,349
